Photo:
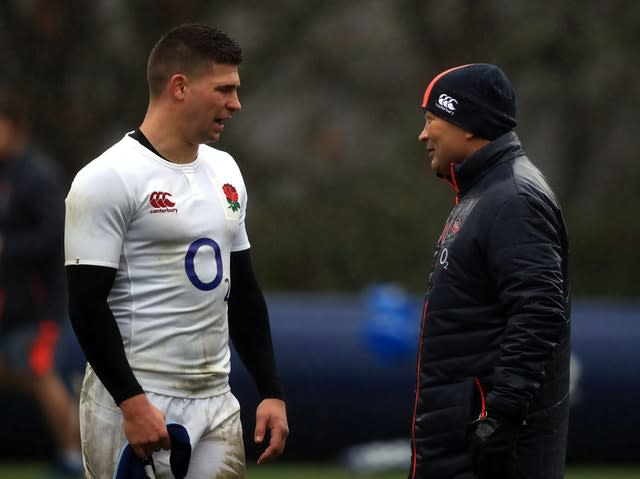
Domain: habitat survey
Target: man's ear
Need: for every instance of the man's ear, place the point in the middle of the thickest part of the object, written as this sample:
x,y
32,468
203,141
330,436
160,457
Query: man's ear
x,y
177,86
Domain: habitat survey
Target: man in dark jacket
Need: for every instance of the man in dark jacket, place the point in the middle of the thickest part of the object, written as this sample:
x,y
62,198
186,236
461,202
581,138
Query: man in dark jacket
x,y
493,364
32,283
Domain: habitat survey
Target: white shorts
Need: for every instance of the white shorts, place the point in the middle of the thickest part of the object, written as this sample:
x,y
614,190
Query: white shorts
x,y
217,450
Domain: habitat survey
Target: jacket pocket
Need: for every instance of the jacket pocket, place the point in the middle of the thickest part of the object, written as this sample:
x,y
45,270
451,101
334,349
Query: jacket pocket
x,y
450,411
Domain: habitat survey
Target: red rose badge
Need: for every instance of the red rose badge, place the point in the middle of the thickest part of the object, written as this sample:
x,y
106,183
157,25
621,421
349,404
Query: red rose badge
x,y
232,196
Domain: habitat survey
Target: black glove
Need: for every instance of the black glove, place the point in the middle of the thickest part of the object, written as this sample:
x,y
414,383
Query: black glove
x,y
493,446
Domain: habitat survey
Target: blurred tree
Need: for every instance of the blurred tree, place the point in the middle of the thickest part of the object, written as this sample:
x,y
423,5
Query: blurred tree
x,y
340,191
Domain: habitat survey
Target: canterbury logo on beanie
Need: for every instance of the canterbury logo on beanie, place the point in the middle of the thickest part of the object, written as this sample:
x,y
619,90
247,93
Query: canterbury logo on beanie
x,y
477,97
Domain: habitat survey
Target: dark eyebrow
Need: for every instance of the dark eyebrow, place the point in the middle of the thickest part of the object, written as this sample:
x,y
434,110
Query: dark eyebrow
x,y
227,87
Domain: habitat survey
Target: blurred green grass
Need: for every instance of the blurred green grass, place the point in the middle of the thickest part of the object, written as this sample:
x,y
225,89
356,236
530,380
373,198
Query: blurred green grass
x,y
321,471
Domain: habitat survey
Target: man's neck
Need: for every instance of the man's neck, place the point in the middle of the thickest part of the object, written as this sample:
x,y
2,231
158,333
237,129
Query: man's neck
x,y
164,138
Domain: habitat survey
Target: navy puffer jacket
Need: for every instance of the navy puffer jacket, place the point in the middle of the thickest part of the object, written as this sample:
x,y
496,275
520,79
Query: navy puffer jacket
x,y
495,328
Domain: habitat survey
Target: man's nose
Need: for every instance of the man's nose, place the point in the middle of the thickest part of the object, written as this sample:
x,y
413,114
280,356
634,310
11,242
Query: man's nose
x,y
424,135
234,103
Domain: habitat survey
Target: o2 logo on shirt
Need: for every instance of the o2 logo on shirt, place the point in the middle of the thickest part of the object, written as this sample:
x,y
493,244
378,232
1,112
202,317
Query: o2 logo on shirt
x,y
444,258
189,265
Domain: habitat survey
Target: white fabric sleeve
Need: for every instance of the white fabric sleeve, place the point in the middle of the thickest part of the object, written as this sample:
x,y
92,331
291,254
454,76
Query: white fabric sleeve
x,y
241,238
98,207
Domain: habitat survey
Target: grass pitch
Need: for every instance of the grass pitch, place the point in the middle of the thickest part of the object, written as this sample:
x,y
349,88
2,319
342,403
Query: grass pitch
x,y
321,471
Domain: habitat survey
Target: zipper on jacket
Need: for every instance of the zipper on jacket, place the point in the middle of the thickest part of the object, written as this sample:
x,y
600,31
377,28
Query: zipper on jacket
x,y
453,182
483,405
415,404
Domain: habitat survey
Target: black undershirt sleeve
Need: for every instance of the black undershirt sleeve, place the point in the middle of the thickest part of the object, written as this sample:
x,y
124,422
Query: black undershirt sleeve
x,y
97,331
249,327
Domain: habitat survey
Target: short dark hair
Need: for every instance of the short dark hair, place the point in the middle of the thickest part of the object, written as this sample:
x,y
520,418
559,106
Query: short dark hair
x,y
189,49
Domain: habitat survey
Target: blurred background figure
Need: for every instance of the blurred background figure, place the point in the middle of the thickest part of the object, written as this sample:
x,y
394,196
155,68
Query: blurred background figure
x,y
32,285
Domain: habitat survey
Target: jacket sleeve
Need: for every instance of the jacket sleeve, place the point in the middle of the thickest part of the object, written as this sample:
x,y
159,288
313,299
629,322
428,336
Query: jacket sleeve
x,y
525,259
45,205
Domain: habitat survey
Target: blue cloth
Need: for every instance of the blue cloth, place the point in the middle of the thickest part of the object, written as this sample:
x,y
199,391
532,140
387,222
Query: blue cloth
x,y
131,466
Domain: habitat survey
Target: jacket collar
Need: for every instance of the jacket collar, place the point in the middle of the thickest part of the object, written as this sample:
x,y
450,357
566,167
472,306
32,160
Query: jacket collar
x,y
503,148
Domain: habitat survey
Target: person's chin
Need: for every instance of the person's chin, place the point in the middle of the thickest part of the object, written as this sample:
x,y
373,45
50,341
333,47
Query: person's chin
x,y
438,171
213,138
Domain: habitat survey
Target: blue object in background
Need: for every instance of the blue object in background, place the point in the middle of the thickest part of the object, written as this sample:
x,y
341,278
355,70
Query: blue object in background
x,y
605,381
389,323
339,392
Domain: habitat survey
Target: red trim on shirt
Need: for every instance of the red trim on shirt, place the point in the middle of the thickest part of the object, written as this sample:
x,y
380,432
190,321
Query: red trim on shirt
x,y
483,405
454,182
415,404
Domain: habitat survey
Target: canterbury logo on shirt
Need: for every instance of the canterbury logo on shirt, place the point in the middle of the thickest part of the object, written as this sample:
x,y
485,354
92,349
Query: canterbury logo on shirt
x,y
162,202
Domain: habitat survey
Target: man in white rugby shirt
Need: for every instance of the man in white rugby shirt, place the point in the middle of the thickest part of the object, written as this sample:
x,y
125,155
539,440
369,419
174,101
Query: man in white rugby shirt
x,y
160,275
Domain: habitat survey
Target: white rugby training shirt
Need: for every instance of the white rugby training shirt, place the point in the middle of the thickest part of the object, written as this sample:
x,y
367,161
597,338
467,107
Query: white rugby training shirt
x,y
169,230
